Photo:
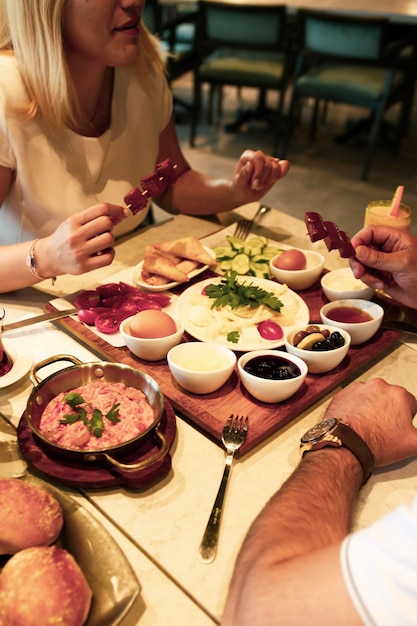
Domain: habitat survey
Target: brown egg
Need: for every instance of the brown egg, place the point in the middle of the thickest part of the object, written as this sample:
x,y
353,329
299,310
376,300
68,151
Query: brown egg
x,y
152,323
291,260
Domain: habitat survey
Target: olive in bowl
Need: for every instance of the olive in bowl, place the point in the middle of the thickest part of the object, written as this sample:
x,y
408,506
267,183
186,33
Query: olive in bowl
x,y
271,375
288,269
360,318
321,346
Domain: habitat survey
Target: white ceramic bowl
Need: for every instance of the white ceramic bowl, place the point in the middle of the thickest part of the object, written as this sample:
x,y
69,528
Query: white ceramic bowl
x,y
300,279
341,284
201,367
152,349
319,362
268,390
359,331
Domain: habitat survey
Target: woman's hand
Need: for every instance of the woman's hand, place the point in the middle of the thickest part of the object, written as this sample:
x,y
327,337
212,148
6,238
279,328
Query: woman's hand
x,y
386,258
255,174
82,243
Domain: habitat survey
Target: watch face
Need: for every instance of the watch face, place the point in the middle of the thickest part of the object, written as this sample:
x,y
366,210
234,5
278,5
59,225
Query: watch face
x,y
319,430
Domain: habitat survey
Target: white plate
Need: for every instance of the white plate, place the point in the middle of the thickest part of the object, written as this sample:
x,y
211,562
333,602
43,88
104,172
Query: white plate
x,y
22,362
137,272
253,340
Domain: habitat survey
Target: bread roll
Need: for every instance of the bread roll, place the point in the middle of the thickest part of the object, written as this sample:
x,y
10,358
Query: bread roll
x,y
29,516
43,585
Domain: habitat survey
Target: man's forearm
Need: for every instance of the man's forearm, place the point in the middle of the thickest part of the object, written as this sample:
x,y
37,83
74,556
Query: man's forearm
x,y
311,511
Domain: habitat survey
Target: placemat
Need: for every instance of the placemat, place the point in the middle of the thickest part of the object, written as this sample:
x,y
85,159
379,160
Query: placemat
x,y
210,412
99,476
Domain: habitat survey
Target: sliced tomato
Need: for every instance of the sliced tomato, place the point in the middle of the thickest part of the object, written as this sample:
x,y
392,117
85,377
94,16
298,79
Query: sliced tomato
x,y
270,330
162,299
108,322
149,304
110,290
87,299
126,308
87,316
130,290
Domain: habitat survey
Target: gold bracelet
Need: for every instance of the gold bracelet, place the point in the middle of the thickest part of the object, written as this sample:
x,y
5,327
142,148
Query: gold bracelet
x,y
31,263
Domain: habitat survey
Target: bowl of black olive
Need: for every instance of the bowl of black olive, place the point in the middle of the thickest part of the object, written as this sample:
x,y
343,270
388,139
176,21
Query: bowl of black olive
x,y
271,375
322,347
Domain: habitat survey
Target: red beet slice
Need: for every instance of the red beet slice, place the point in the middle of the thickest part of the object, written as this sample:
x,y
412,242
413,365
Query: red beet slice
x,y
154,184
135,200
315,226
332,239
166,170
346,250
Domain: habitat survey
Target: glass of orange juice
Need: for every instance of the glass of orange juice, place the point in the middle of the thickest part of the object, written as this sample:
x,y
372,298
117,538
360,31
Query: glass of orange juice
x,y
378,213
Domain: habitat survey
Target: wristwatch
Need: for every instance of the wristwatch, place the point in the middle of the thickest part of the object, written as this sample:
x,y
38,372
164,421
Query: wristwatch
x,y
334,433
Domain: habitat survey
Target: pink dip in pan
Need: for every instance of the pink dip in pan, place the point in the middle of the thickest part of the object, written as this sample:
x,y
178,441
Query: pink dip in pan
x,y
135,415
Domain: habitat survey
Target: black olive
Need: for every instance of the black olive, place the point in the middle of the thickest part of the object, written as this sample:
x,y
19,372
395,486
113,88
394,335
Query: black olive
x,y
337,339
322,346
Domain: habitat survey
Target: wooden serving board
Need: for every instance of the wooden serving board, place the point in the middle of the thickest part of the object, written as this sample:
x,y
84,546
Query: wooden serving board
x,y
210,412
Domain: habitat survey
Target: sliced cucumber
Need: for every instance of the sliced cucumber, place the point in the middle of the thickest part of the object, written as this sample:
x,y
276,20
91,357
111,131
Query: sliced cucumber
x,y
226,265
241,264
224,252
249,257
237,244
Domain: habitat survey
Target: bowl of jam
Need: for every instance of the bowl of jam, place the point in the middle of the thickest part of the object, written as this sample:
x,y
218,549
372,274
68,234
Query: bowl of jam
x,y
271,375
360,318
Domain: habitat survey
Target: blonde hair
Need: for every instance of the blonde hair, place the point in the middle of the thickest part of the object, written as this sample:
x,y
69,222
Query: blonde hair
x,y
32,30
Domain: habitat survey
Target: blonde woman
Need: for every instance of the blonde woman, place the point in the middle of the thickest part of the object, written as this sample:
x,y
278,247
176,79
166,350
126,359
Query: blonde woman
x,y
85,112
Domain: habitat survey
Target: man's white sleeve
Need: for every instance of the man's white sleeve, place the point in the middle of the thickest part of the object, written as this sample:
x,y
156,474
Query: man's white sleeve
x,y
379,567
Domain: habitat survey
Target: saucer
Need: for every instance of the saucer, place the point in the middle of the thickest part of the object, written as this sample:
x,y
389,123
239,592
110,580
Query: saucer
x,y
22,362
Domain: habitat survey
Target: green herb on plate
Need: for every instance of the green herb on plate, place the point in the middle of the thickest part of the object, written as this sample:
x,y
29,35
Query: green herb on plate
x,y
230,292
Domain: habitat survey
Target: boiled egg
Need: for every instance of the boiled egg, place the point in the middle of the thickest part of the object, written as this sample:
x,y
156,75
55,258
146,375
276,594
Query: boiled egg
x,y
152,323
291,259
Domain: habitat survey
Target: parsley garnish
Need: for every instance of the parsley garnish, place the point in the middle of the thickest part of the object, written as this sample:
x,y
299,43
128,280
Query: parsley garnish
x,y
233,336
229,292
96,424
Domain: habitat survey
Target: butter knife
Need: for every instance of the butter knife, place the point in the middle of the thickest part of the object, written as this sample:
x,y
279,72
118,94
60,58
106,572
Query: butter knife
x,y
405,327
46,317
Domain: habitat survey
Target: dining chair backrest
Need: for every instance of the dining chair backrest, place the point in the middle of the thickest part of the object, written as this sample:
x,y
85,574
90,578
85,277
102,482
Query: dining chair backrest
x,y
242,45
352,60
341,35
241,26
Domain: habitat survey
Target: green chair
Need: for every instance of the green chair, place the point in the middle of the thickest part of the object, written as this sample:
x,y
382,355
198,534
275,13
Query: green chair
x,y
175,27
350,60
241,46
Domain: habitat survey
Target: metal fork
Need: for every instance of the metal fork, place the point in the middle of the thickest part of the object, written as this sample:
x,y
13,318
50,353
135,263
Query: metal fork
x,y
243,227
234,435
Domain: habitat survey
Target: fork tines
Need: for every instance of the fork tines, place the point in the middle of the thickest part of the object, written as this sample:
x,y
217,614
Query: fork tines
x,y
236,423
243,228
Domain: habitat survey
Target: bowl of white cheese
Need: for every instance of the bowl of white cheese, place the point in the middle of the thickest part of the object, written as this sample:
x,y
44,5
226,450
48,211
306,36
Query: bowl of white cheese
x,y
341,284
201,367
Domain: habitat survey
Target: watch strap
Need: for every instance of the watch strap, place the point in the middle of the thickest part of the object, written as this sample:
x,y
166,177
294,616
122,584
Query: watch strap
x,y
341,435
353,442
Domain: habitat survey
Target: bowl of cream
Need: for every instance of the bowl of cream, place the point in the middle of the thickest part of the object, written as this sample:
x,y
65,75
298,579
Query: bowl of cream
x,y
341,284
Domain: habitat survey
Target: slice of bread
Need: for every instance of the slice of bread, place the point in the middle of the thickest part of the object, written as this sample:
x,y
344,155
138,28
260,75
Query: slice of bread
x,y
43,585
29,516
